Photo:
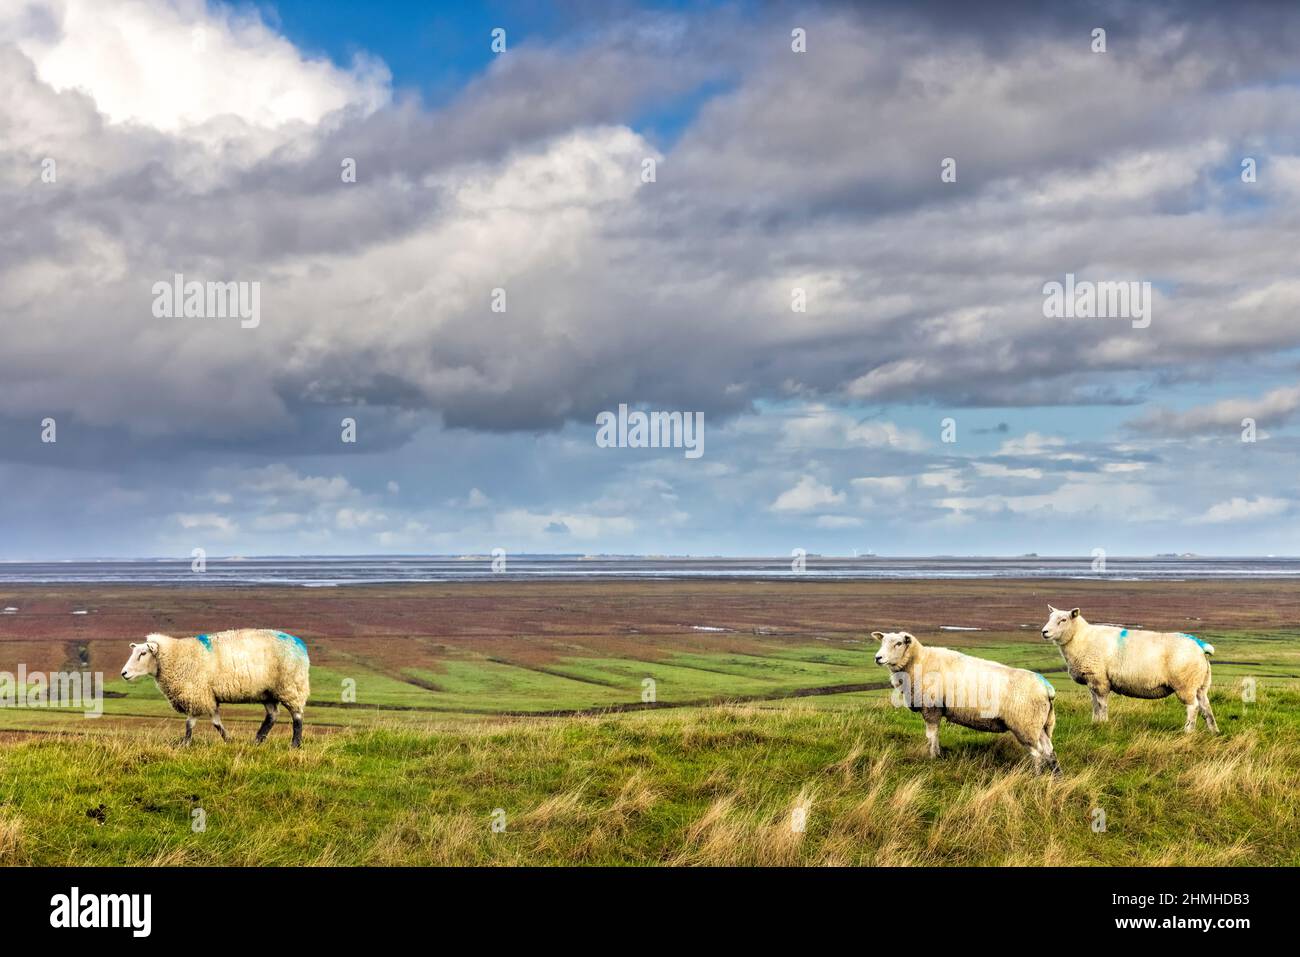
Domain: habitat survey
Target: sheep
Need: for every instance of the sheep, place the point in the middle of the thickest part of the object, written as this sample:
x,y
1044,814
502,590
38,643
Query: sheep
x,y
972,692
1134,663
199,674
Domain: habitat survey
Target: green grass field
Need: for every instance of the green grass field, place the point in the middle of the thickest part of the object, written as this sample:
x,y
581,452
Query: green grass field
x,y
741,745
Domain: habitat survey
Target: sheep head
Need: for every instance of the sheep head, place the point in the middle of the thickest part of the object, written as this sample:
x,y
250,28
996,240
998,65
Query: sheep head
x,y
1060,624
896,648
143,660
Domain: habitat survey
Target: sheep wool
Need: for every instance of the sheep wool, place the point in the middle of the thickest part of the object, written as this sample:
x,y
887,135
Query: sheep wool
x,y
199,674
984,695
1134,663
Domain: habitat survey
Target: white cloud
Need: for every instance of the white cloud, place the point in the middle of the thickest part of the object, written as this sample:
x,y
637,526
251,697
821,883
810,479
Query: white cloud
x,y
820,427
1238,509
178,64
1031,443
354,518
1090,495
945,478
807,494
885,485
279,482
205,521
1225,416
997,470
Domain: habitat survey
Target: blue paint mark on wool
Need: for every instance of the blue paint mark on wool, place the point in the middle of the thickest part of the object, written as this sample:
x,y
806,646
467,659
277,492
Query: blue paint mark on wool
x,y
204,640
1044,681
1203,644
302,648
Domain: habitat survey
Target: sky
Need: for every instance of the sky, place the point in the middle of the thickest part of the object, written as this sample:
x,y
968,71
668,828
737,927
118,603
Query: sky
x,y
839,263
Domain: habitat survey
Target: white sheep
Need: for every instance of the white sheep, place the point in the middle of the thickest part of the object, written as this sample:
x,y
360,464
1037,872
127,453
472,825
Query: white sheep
x,y
972,692
198,675
1134,663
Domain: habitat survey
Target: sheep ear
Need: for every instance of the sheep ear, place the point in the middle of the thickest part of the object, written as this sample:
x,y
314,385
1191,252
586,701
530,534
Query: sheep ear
x,y
878,635
907,638
1051,609
134,646
152,646
1074,613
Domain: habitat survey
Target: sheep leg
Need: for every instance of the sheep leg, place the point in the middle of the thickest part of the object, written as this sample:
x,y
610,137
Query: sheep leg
x,y
1034,745
190,721
1203,702
932,735
1190,703
267,722
216,723
297,730
1100,704
1048,752
1036,757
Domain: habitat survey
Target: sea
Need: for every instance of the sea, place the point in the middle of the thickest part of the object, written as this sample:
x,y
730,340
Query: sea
x,y
326,572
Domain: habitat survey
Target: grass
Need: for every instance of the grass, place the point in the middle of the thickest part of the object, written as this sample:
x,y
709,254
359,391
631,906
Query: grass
x,y
432,708
715,785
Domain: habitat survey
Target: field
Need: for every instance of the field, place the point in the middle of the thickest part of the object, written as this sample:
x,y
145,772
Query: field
x,y
506,723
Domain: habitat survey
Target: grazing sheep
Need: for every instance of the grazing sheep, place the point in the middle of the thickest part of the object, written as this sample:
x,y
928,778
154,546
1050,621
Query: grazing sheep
x,y
200,674
1138,664
973,693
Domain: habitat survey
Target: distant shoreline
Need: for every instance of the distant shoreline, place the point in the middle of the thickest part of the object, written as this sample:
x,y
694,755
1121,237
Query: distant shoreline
x,y
325,573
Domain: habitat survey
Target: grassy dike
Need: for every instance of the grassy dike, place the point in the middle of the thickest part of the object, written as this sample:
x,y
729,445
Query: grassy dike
x,y
706,785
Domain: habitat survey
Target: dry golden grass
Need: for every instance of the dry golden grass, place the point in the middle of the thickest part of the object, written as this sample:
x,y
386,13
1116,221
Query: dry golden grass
x,y
712,786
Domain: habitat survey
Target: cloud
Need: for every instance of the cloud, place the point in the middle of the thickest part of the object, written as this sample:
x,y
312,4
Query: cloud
x,y
379,291
1238,509
184,67
205,521
1031,443
354,518
221,159
998,470
1274,408
279,482
534,527
475,499
807,494
948,479
817,426
886,485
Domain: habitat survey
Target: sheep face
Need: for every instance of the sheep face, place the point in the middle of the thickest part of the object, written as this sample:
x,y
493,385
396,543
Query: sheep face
x,y
143,661
1059,625
894,648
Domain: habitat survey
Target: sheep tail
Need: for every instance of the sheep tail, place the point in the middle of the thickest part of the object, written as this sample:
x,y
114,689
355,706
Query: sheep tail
x,y
1205,645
